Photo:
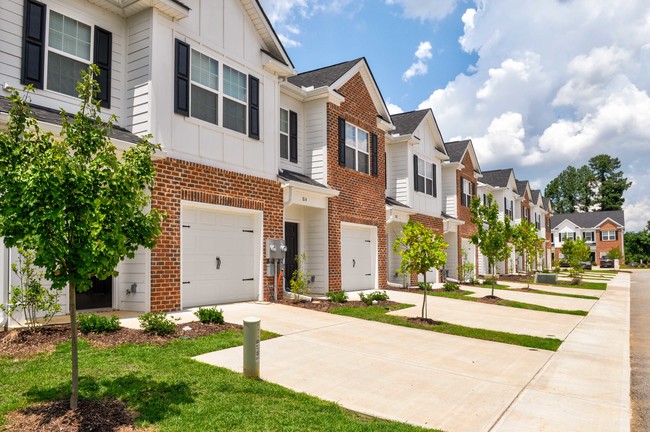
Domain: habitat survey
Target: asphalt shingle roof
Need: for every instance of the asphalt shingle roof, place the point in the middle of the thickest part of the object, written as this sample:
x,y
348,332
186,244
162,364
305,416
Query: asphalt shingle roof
x,y
301,178
521,186
534,194
393,202
497,178
52,116
589,220
456,150
325,76
406,123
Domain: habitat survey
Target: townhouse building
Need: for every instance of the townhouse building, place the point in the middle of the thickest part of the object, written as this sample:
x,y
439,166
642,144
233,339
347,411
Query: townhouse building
x,y
460,179
539,214
603,231
415,152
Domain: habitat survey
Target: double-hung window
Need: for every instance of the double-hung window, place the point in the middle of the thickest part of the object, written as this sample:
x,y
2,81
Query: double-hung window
x,y
71,46
608,235
425,177
568,236
234,100
288,135
538,221
356,148
588,236
204,88
466,192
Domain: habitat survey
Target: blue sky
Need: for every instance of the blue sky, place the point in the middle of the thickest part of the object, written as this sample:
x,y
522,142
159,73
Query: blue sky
x,y
536,88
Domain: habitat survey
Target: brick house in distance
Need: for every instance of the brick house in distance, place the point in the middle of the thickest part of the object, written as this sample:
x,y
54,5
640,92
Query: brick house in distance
x,y
345,122
460,176
603,231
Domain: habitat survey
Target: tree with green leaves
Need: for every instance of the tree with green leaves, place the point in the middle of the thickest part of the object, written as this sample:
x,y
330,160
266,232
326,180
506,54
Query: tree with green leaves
x,y
492,234
527,243
72,200
574,252
609,181
637,246
421,250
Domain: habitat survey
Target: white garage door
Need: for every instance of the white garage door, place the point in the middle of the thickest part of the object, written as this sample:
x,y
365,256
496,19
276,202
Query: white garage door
x,y
357,252
217,257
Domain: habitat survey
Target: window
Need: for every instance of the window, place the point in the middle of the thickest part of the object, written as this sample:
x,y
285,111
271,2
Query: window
x,y
288,135
426,178
608,235
68,53
567,236
356,148
467,191
205,86
508,207
527,214
234,101
588,236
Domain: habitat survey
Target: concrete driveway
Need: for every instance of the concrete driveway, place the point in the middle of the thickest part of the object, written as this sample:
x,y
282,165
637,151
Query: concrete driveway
x,y
448,382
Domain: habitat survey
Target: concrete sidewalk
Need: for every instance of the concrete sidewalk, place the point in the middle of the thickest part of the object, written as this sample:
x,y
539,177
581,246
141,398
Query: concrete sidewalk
x,y
551,301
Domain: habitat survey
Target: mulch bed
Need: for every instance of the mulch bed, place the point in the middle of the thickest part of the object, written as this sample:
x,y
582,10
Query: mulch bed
x,y
107,415
326,305
425,321
515,278
420,290
21,343
489,299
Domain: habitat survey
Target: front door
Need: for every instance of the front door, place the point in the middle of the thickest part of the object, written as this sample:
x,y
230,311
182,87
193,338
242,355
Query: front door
x,y
291,240
99,296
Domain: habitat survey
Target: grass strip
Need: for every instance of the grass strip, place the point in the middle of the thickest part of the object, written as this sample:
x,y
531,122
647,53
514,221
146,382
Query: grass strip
x,y
379,314
583,285
553,293
464,295
172,392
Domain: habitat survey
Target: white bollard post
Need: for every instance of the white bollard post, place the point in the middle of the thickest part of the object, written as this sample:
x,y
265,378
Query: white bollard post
x,y
252,347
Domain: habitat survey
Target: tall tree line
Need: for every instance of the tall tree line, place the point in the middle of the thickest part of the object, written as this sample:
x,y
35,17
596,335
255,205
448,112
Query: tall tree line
x,y
597,186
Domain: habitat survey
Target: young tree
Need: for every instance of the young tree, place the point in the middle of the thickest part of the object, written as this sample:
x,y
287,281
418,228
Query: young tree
x,y
421,249
527,243
72,201
492,235
576,251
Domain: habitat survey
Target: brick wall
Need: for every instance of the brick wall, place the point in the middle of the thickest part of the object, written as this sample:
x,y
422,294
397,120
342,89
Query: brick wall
x,y
435,224
468,229
604,246
178,180
362,196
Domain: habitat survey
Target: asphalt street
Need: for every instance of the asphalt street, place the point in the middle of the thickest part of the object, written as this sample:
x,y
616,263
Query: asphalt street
x,y
640,350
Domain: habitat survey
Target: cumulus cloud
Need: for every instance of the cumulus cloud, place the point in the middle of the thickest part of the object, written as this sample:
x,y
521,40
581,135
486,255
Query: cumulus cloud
x,y
637,214
425,10
503,141
420,67
394,109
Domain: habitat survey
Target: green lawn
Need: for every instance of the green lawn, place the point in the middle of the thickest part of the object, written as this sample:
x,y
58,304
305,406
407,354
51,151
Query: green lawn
x,y
583,285
172,392
553,293
464,295
379,314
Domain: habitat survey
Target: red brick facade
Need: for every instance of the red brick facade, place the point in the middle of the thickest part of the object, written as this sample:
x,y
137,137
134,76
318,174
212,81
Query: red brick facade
x,y
435,224
178,180
468,229
604,246
362,196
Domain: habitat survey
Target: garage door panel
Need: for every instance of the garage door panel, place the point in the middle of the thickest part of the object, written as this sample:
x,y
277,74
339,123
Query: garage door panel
x,y
357,258
216,234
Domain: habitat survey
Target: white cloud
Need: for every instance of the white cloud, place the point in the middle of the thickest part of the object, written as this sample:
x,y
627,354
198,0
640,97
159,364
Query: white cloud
x,y
394,109
637,215
423,55
425,10
503,141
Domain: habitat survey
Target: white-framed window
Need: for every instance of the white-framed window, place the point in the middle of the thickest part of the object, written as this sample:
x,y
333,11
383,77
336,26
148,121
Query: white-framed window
x,y
204,97
467,191
538,221
527,214
568,235
588,236
608,235
284,133
356,149
68,52
426,178
234,100
508,207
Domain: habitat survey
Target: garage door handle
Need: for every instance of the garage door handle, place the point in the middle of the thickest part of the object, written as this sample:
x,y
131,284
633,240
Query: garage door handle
x,y
218,263
368,274
353,263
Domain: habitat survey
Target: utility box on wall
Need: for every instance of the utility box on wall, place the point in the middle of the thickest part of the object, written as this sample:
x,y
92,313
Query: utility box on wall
x,y
276,249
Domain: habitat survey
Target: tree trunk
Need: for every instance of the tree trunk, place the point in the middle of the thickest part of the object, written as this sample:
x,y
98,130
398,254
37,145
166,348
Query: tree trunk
x,y
74,397
494,276
424,302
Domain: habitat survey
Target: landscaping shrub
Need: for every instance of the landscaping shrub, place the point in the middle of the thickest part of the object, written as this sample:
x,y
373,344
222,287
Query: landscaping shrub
x,y
337,296
157,323
375,295
489,280
210,315
426,287
450,286
93,323
299,281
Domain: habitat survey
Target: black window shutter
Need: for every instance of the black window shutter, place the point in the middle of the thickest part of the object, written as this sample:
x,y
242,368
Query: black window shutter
x,y
341,141
601,236
616,232
374,155
182,79
33,64
293,136
254,108
415,172
435,180
574,236
505,205
102,58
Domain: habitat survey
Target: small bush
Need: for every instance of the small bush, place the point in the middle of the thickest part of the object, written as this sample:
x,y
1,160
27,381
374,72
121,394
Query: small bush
x,y
426,287
489,280
157,323
375,295
210,315
92,323
450,286
337,296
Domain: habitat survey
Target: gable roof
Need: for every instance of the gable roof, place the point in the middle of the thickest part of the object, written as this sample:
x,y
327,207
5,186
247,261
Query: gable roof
x,y
521,187
323,77
535,194
406,123
498,178
547,203
589,220
456,150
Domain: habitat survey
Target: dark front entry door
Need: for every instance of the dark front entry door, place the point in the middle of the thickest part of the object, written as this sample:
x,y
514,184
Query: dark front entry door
x,y
291,239
99,296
